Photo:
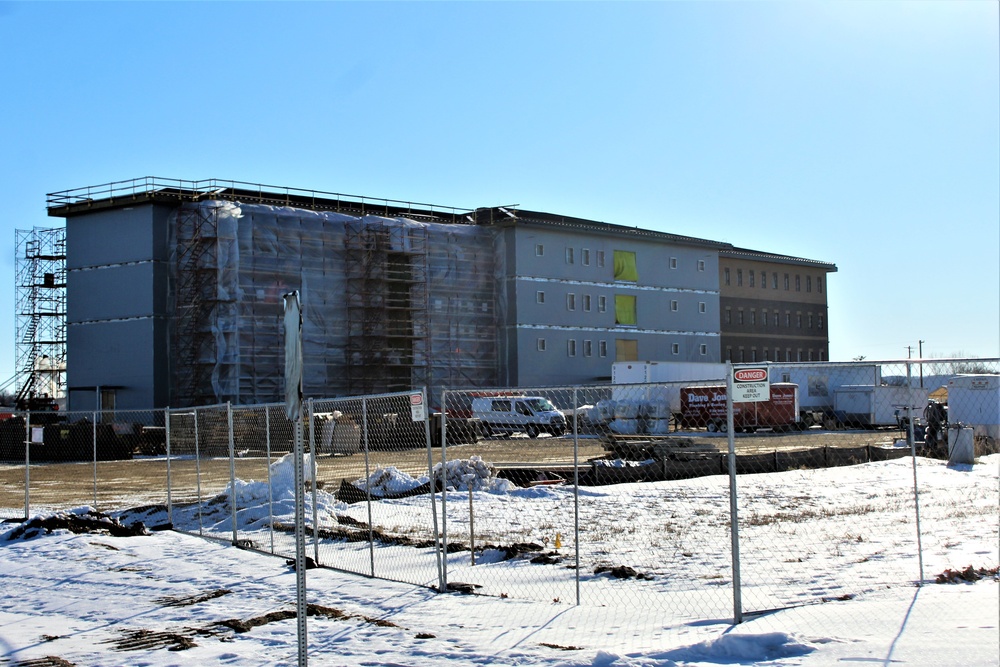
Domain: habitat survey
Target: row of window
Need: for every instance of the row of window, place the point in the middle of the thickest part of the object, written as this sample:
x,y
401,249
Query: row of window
x,y
624,261
774,278
775,319
742,355
625,310
625,350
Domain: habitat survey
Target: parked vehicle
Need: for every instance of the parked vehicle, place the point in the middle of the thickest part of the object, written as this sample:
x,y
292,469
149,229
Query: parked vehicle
x,y
705,407
532,415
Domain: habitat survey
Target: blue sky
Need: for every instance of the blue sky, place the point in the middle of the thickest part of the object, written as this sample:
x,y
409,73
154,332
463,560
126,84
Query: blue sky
x,y
866,134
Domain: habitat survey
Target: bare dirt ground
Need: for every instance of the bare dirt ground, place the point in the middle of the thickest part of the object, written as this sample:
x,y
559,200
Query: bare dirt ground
x,y
112,485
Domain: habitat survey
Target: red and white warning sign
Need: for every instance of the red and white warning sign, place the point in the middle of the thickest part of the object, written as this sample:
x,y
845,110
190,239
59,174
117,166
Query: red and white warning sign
x,y
417,411
751,385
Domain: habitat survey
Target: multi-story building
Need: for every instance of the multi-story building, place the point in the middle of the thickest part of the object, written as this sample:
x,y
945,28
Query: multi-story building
x,y
174,294
774,307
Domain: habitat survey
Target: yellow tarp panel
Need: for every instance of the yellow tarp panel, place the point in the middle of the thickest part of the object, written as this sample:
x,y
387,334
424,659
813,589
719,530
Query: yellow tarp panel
x,y
625,268
625,310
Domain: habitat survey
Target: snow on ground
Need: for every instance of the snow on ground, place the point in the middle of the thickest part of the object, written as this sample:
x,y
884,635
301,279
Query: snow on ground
x,y
173,599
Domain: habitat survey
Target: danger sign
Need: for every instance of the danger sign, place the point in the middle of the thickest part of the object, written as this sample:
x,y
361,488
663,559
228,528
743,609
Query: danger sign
x,y
417,412
751,385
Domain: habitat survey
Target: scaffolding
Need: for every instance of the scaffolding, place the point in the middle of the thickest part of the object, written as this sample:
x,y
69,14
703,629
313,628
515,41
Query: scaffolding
x,y
389,303
40,321
386,293
194,295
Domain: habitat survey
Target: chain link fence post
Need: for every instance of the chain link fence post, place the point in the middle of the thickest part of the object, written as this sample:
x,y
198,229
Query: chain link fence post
x,y
734,523
27,466
438,546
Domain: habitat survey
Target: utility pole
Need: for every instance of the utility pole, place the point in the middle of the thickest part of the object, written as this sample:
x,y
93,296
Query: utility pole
x,y
920,353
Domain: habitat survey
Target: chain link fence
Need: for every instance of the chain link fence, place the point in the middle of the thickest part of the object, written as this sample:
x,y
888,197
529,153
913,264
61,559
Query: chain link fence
x,y
645,495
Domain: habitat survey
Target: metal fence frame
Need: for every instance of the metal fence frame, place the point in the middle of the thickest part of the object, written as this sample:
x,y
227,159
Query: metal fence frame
x,y
207,446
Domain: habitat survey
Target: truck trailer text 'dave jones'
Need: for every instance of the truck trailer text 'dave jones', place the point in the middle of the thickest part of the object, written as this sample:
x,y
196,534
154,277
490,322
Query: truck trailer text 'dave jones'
x,y
705,407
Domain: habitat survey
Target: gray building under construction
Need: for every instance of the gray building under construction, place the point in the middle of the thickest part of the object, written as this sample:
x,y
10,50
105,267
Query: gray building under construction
x,y
174,294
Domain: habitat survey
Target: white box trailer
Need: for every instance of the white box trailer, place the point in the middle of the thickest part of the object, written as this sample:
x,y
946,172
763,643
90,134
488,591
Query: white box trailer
x,y
877,405
818,383
974,400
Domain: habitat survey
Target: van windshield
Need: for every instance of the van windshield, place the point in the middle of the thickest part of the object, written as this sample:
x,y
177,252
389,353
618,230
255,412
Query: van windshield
x,y
540,405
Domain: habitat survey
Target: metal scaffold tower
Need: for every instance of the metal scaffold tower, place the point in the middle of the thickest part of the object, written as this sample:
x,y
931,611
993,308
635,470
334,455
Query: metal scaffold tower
x,y
195,298
40,307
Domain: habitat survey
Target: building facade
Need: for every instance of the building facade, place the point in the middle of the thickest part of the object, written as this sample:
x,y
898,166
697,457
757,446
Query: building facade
x,y
773,307
174,295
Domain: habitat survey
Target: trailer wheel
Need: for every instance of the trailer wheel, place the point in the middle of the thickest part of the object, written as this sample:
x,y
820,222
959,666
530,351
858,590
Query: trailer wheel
x,y
723,427
712,427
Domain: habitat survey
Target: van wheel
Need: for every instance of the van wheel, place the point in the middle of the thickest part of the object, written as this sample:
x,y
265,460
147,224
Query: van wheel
x,y
532,431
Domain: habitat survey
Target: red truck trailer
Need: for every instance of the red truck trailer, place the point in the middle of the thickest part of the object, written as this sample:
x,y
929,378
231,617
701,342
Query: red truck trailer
x,y
705,407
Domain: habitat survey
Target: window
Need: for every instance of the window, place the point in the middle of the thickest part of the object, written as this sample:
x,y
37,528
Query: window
x,y
626,350
786,282
763,318
819,324
585,257
753,318
625,268
809,287
675,348
788,319
763,279
774,283
729,315
788,354
725,275
777,320
539,250
702,307
765,354
541,345
586,303
798,283
602,303
753,354
539,297
600,258
739,316
602,348
673,306
739,277
571,301
701,265
819,288
810,323
673,262
751,279
798,320
729,353
571,347
588,348
743,354
625,310
810,354
569,255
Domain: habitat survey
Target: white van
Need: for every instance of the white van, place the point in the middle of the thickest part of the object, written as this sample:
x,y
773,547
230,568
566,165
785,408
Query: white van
x,y
516,414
